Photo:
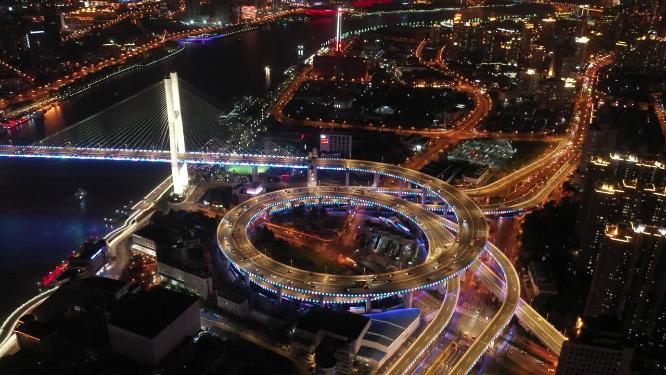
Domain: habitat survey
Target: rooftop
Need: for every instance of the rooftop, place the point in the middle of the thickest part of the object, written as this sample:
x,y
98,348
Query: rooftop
x,y
603,331
159,235
372,353
342,323
190,260
386,327
151,311
231,295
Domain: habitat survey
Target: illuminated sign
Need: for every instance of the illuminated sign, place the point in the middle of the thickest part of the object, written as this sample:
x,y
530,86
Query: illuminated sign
x,y
248,12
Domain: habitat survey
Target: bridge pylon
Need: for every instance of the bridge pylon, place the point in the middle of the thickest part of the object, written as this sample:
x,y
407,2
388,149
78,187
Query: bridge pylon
x,y
176,134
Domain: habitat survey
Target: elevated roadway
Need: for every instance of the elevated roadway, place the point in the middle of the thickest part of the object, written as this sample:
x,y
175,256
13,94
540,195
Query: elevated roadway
x,y
471,242
407,360
529,318
510,295
7,328
522,203
447,255
567,151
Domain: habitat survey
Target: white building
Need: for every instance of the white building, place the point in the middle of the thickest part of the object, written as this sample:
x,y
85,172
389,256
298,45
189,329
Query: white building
x,y
232,303
194,279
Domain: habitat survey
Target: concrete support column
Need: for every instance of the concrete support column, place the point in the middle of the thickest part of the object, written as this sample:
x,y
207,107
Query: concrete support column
x,y
368,304
279,293
312,168
312,176
375,181
248,282
409,300
255,173
347,178
402,188
424,194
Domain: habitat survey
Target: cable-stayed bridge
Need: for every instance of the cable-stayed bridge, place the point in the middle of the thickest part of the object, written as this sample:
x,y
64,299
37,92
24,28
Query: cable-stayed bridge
x,y
140,122
147,129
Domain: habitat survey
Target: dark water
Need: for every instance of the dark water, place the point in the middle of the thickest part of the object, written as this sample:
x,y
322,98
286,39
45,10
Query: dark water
x,y
41,222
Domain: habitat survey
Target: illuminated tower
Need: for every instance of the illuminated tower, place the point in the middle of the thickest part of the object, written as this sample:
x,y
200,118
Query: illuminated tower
x,y
338,30
176,134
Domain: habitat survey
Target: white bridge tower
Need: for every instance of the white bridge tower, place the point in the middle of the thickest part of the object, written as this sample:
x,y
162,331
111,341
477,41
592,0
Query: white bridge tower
x,y
176,135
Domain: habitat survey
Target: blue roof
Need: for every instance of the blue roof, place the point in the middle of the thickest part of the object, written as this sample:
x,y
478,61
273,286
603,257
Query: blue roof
x,y
400,317
385,327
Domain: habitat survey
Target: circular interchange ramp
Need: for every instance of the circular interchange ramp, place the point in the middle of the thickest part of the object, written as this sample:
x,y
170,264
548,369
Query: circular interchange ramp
x,y
449,252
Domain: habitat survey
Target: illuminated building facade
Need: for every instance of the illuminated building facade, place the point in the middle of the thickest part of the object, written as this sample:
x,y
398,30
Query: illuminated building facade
x,y
336,144
629,283
623,244
597,348
619,190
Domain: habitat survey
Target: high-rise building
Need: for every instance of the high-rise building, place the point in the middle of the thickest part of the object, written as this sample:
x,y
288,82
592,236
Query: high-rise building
x,y
646,54
580,51
556,59
336,144
629,282
435,33
194,10
465,40
597,348
528,82
599,138
619,190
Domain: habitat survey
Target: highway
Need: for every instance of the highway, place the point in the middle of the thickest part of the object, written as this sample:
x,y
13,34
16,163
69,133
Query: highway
x,y
140,213
528,200
440,265
7,328
529,318
454,254
567,151
447,255
510,297
418,347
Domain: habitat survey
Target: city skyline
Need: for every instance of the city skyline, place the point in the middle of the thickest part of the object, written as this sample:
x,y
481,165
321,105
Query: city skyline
x,y
365,187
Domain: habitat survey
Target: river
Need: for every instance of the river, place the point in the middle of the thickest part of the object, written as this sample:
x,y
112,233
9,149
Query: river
x,y
41,221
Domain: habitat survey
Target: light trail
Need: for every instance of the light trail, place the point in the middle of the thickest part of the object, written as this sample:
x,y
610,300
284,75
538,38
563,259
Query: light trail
x,y
529,318
567,150
447,255
431,333
8,326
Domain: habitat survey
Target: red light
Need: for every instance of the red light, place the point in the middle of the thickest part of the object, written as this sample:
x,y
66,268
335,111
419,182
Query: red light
x,y
48,279
321,12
